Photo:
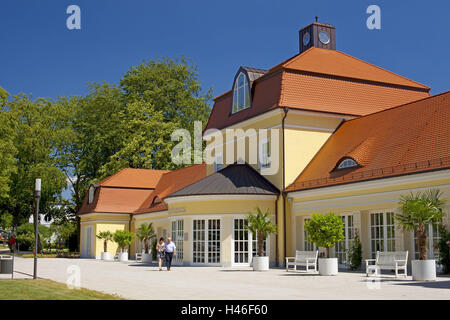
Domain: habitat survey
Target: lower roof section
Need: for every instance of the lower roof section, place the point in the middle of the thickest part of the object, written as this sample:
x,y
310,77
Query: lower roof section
x,y
235,179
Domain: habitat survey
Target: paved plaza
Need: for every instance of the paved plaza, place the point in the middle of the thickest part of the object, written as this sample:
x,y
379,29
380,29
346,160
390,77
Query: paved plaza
x,y
138,281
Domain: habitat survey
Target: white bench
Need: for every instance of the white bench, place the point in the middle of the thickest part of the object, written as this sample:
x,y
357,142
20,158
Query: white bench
x,y
303,259
394,260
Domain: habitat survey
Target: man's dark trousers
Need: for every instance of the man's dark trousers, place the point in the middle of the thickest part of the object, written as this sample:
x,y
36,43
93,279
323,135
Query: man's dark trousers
x,y
169,256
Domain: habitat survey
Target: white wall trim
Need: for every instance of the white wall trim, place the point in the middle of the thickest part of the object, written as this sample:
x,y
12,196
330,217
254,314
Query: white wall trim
x,y
383,182
105,221
149,214
219,197
104,213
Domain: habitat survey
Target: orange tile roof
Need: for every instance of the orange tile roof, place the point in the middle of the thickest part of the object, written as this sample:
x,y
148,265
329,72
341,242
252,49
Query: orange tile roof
x,y
134,178
123,192
407,139
171,182
337,63
325,81
115,200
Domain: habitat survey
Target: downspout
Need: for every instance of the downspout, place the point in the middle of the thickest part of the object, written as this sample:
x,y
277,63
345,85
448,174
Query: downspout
x,y
283,194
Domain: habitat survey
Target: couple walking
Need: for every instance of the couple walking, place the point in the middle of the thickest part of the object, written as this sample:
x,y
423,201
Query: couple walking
x,y
165,250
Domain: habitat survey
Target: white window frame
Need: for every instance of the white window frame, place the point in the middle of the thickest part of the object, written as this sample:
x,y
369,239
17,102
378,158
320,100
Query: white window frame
x,y
347,163
206,263
431,254
87,241
218,165
246,91
175,235
385,231
249,244
348,231
305,242
91,194
264,161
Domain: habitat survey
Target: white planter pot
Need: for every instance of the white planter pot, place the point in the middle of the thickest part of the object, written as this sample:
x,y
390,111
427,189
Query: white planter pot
x,y
328,266
147,258
423,270
260,263
123,256
106,256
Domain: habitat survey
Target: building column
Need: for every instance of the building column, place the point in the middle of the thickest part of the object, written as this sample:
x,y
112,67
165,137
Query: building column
x,y
364,233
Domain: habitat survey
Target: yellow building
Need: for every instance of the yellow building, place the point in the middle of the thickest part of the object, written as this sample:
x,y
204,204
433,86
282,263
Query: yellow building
x,y
320,132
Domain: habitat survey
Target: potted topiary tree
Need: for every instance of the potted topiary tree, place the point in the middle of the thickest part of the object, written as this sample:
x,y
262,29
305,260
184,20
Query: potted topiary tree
x,y
417,212
123,238
325,231
105,236
259,224
145,233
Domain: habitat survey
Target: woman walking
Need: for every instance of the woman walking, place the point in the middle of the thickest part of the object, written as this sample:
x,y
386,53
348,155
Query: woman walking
x,y
160,249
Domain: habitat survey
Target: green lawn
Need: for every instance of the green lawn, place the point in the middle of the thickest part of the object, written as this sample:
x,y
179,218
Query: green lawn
x,y
43,289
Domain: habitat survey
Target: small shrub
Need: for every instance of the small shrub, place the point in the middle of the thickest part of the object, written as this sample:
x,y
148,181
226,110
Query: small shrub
x,y
444,250
356,253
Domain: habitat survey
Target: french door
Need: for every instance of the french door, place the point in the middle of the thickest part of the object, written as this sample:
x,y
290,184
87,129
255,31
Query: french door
x,y
307,245
178,237
244,243
342,248
382,232
87,241
206,241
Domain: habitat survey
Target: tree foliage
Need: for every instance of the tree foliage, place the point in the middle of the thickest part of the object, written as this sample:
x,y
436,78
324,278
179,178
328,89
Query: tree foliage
x,y
105,236
325,230
145,233
259,224
417,212
123,238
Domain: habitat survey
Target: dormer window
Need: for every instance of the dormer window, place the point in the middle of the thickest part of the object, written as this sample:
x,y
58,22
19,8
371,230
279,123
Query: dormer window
x,y
241,93
347,163
156,200
91,194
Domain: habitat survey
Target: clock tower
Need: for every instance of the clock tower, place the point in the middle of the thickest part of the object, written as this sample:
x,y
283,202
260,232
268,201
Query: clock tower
x,y
318,35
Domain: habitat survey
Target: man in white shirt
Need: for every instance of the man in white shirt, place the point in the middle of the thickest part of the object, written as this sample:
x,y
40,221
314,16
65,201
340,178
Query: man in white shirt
x,y
171,250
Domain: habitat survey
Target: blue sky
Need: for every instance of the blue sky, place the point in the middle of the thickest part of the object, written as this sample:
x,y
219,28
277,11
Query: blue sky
x,y
40,55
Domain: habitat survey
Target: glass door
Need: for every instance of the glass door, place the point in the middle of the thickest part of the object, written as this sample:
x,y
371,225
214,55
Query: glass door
x,y
87,246
382,232
178,237
245,243
343,248
206,241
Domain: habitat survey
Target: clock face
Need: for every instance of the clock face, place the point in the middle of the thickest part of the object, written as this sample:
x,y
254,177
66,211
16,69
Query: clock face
x,y
306,38
324,37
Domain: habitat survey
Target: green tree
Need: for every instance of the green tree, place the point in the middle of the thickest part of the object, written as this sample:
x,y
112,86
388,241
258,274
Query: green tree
x,y
325,230
417,212
37,131
93,134
160,96
63,231
105,236
259,224
123,238
145,233
7,149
